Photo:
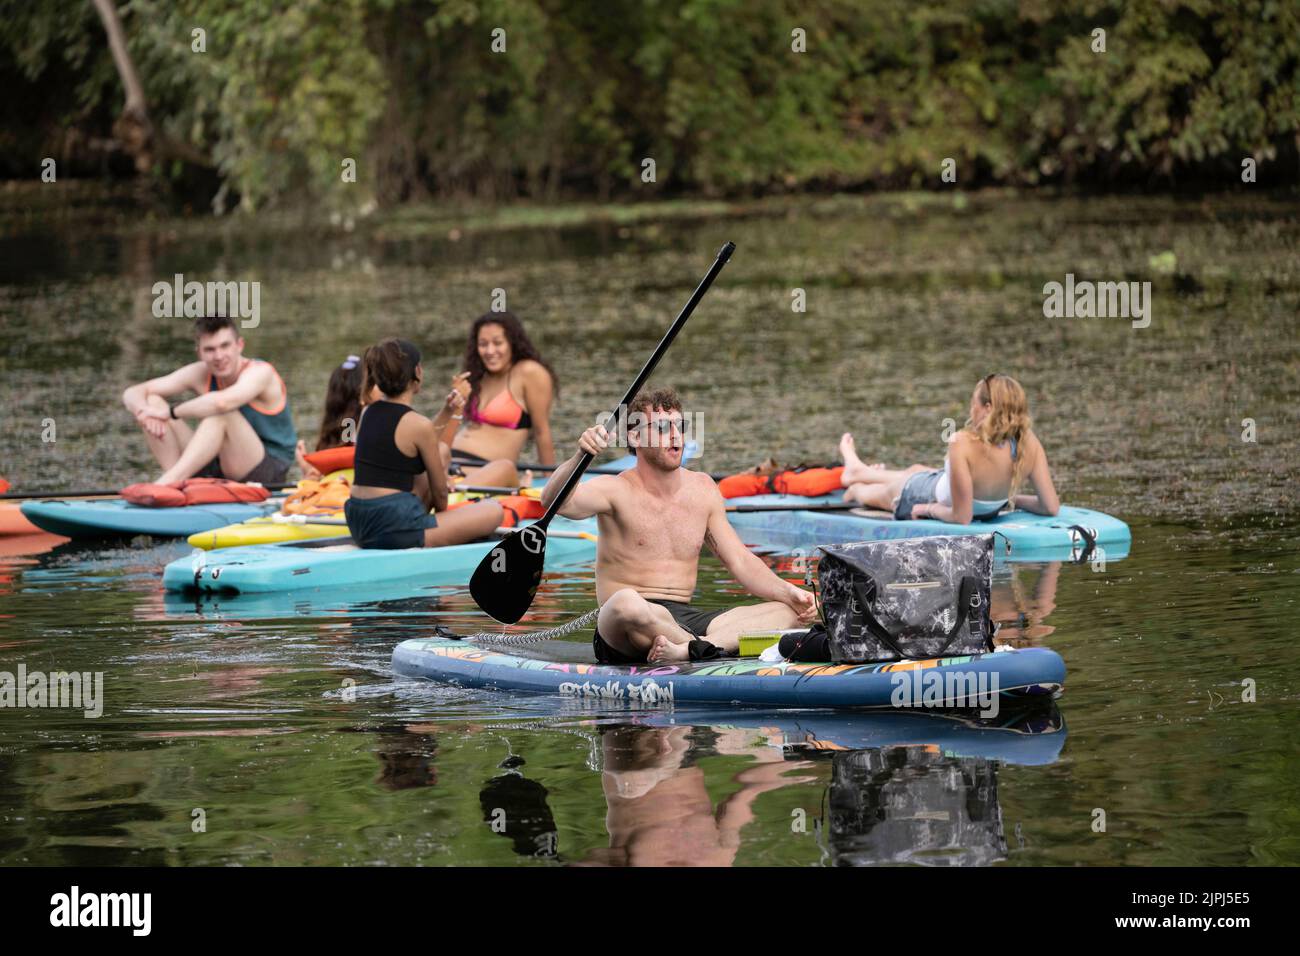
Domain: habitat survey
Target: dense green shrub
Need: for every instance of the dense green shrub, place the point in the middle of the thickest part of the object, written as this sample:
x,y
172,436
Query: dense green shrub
x,y
710,89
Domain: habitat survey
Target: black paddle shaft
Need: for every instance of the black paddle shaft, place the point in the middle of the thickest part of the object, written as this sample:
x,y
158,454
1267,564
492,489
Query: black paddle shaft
x,y
797,506
606,469
611,423
506,580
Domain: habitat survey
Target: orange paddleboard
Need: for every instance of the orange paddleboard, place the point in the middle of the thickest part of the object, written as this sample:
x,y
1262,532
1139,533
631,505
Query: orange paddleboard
x,y
12,520
17,545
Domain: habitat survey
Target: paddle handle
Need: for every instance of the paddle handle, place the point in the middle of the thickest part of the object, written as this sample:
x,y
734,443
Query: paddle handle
x,y
611,423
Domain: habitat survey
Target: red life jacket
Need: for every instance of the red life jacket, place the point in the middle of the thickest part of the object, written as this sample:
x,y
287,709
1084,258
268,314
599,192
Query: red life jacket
x,y
194,491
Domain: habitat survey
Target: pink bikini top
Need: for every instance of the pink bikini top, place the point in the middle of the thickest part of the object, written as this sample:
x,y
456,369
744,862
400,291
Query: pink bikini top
x,y
503,411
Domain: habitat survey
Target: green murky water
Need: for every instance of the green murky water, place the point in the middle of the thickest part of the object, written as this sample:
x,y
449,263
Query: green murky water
x,y
278,732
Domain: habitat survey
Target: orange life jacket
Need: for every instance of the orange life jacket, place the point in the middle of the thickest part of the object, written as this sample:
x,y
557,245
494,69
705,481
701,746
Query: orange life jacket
x,y
516,508
332,459
808,482
326,496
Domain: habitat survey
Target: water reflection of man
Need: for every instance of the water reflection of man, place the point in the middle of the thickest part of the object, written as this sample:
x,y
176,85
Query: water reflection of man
x,y
659,810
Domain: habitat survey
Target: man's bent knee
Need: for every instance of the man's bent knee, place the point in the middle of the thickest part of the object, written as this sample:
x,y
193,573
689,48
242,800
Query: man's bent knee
x,y
626,606
154,402
221,420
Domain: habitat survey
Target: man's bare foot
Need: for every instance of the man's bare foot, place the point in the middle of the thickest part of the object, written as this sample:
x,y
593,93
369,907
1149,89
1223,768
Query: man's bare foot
x,y
664,651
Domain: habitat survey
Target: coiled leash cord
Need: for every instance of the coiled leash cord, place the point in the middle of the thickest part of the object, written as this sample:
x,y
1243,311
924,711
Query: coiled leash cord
x,y
534,637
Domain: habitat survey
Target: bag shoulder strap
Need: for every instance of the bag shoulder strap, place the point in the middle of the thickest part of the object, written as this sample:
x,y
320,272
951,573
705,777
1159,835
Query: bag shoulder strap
x,y
967,595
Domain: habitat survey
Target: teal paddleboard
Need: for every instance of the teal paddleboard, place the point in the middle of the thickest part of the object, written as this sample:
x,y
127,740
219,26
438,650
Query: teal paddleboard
x,y
1021,533
113,517
339,563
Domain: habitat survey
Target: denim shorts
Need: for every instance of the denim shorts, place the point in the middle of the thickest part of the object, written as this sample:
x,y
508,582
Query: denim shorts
x,y
388,523
919,489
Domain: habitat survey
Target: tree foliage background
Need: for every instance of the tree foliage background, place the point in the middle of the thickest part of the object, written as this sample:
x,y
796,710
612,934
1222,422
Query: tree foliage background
x,y
710,89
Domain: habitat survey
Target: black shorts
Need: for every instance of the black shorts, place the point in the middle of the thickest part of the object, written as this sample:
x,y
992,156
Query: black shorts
x,y
389,522
269,471
692,620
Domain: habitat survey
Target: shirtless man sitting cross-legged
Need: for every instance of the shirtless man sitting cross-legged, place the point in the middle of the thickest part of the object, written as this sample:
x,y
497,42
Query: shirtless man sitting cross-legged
x,y
653,520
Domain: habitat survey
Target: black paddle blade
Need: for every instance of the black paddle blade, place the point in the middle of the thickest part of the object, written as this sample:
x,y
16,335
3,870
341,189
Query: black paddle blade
x,y
506,580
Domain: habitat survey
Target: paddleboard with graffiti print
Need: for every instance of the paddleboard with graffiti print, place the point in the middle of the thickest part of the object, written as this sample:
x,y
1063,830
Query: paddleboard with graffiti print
x,y
973,682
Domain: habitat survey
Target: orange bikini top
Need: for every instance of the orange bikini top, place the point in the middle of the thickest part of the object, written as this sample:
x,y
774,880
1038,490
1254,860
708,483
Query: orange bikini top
x,y
503,411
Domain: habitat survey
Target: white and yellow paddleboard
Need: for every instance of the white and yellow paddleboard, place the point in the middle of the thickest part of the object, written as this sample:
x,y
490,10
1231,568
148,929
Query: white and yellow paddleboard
x,y
274,529
271,529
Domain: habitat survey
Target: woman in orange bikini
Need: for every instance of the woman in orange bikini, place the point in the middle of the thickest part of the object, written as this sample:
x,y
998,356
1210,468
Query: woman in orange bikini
x,y
343,404
509,389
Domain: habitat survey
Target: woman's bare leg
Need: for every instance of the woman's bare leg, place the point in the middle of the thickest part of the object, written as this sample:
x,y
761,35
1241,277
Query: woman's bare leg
x,y
875,494
464,524
882,494
854,468
500,473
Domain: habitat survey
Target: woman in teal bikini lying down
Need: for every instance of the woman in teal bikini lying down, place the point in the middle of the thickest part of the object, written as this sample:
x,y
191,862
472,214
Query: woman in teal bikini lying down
x,y
988,461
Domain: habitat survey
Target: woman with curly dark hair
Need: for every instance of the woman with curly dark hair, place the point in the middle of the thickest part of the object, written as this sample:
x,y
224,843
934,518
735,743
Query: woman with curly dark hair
x,y
509,389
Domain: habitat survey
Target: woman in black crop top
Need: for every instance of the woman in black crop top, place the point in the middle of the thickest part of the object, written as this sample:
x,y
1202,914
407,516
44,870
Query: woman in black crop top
x,y
401,469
